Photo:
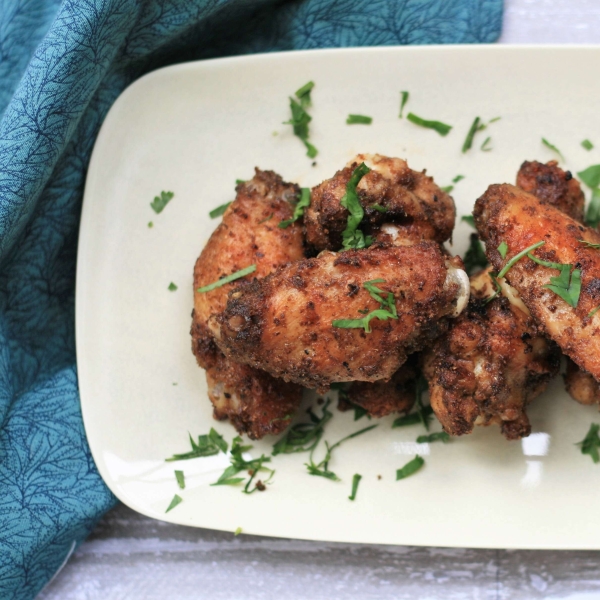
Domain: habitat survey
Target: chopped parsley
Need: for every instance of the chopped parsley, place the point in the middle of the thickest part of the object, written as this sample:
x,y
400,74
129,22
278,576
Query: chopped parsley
x,y
300,118
228,279
207,445
217,212
410,468
403,100
176,500
172,287
266,219
587,145
413,418
442,128
150,224
379,208
352,236
447,189
591,443
358,120
322,469
303,202
458,178
238,464
180,479
475,127
515,259
590,244
304,437
475,258
237,531
593,311
359,411
503,249
567,285
552,147
355,481
590,176
159,202
438,436
470,219
387,309
592,215
423,411
485,147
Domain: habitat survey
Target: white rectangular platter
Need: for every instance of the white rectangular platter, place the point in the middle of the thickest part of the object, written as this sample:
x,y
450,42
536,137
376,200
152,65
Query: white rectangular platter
x,y
196,128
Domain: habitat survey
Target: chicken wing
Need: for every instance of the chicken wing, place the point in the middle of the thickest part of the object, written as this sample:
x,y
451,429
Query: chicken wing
x,y
507,214
284,322
490,364
254,401
389,193
581,385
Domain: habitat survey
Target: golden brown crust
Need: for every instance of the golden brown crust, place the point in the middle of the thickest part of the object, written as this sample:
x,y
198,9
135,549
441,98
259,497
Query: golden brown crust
x,y
581,385
283,323
508,214
551,185
412,201
255,402
489,365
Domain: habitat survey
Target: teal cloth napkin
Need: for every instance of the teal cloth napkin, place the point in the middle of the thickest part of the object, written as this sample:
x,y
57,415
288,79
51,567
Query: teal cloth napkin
x,y
62,65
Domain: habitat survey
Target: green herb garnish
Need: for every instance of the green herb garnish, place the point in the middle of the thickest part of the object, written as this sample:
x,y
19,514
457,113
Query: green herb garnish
x,y
475,127
592,215
485,147
352,236
303,93
447,189
413,418
238,181
593,311
379,208
267,219
438,436
423,412
503,249
322,469
176,500
590,176
458,178
355,481
172,287
403,101
237,531
590,244
159,202
438,126
410,468
387,309
304,437
228,279
515,259
358,120
359,411
470,219
567,285
303,203
552,147
591,443
217,212
180,479
207,445
587,145
300,118
475,258
150,224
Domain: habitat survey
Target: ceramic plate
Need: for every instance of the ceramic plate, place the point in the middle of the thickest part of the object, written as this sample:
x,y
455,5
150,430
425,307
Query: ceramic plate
x,y
194,129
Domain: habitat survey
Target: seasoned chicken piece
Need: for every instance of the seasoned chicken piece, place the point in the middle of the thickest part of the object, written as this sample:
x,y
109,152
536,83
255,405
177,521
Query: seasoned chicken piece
x,y
508,214
581,385
382,398
490,364
551,185
254,401
284,322
389,193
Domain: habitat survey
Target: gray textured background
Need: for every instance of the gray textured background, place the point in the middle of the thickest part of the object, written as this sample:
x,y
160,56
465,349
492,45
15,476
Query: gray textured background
x,y
132,557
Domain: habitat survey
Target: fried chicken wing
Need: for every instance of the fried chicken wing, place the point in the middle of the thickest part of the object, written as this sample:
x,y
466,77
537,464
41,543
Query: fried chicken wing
x,y
508,214
490,364
255,402
390,193
581,385
283,323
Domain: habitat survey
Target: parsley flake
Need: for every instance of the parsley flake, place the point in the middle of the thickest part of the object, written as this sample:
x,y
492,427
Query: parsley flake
x,y
485,147
180,479
403,100
410,468
207,445
470,219
172,287
150,224
587,145
592,215
237,531
159,202
567,285
442,128
591,443
590,244
303,93
176,500
438,436
475,127
423,411
228,279
379,208
553,148
590,176
503,249
458,178
515,259
303,202
352,236
300,118
358,120
447,189
217,212
355,481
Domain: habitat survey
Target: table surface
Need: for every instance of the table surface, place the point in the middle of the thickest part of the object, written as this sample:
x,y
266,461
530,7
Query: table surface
x,y
130,556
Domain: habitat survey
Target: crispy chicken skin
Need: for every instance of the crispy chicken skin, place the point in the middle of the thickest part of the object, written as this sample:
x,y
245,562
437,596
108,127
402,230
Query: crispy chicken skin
x,y
382,398
283,323
551,185
490,365
412,201
581,385
508,214
255,402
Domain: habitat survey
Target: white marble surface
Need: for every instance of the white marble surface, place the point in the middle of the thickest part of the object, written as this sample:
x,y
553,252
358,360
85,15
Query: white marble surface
x,y
132,557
